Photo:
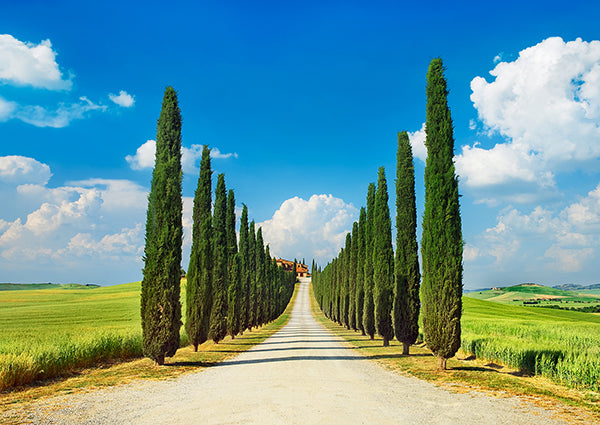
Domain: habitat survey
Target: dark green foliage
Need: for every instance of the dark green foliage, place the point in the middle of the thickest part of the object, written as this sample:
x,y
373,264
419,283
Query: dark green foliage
x,y
232,247
406,271
260,277
268,283
218,321
383,262
252,305
369,308
441,247
234,297
360,270
199,288
245,277
345,272
352,266
160,304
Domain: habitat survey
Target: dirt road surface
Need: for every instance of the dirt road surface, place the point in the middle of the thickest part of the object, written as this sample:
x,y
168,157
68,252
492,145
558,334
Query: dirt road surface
x,y
301,375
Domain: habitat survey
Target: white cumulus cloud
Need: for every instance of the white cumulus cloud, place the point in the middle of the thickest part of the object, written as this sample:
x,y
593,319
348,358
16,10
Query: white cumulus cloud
x,y
546,103
145,156
544,244
85,230
417,143
314,228
123,99
23,170
29,64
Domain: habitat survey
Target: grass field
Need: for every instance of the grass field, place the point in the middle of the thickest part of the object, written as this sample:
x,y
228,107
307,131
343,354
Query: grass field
x,y
466,373
49,332
562,345
55,331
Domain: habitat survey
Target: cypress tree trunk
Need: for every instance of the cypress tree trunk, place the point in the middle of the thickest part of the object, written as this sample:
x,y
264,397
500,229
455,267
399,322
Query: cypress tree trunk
x,y
369,309
360,271
442,246
198,289
383,262
218,318
407,275
160,303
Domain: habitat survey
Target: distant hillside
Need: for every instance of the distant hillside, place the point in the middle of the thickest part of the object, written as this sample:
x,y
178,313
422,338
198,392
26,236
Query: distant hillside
x,y
532,294
31,286
534,288
575,287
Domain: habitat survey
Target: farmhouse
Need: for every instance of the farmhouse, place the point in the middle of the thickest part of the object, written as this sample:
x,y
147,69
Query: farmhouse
x,y
301,269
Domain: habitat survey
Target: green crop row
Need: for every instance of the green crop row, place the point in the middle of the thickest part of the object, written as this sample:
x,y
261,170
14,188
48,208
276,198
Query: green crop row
x,y
49,332
19,367
563,346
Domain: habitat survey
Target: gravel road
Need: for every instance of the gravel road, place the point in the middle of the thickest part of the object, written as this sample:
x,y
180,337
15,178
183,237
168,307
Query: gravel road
x,y
301,375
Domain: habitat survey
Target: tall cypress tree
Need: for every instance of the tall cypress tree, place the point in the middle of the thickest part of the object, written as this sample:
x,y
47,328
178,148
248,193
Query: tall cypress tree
x,y
260,277
252,319
360,270
218,318
406,265
383,262
369,308
245,298
234,298
353,257
160,303
345,271
232,247
198,290
441,247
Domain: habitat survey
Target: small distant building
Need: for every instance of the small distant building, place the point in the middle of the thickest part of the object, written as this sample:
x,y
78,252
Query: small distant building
x,y
301,269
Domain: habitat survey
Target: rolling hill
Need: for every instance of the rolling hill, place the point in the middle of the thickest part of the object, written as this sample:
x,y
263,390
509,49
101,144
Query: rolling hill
x,y
532,294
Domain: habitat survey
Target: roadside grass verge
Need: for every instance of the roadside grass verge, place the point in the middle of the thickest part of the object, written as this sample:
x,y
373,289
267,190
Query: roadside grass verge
x,y
116,371
466,373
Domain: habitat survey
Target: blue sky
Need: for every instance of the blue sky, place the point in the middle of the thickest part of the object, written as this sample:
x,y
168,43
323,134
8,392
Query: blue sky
x,y
301,103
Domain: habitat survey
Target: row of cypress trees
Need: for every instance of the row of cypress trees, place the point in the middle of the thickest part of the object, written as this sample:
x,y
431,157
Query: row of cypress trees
x,y
370,289
230,288
364,288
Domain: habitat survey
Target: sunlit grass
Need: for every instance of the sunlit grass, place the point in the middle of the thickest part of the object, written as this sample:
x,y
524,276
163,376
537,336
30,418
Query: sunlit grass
x,y
55,334
561,345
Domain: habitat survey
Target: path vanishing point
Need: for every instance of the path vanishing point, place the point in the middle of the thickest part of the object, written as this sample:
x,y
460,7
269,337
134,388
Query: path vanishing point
x,y
301,375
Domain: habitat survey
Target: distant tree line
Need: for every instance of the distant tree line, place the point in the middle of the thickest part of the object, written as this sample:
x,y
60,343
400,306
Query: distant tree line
x,y
371,289
230,287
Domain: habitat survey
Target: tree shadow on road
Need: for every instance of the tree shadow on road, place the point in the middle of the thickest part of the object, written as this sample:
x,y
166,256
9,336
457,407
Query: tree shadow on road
x,y
192,363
